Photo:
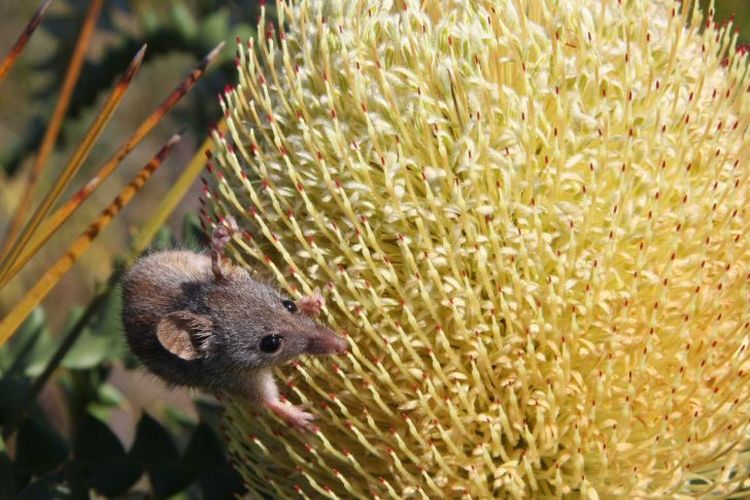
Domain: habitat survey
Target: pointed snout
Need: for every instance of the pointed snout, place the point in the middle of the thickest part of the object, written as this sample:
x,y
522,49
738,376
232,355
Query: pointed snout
x,y
327,342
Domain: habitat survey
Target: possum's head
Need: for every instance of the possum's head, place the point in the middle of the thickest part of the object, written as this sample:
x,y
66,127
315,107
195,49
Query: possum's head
x,y
244,323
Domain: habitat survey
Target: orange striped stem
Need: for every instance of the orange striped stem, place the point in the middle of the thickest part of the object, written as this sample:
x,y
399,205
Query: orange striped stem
x,y
52,276
23,38
173,197
75,162
54,221
55,124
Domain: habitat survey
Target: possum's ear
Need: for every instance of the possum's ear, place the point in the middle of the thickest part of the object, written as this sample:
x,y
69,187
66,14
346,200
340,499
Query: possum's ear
x,y
184,334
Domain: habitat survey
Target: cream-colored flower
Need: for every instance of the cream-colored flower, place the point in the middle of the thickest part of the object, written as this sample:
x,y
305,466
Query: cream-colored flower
x,y
529,216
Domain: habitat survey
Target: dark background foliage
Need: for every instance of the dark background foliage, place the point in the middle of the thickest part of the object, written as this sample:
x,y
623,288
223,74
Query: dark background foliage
x,y
68,443
100,425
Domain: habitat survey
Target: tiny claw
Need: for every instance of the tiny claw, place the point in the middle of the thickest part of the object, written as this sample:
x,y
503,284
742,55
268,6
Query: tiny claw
x,y
220,237
292,415
223,233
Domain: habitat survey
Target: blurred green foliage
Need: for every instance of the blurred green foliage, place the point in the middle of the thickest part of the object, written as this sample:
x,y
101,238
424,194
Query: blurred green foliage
x,y
179,456
70,393
169,27
178,33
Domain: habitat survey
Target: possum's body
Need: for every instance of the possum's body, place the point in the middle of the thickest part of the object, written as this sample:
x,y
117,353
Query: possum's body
x,y
156,285
226,319
195,322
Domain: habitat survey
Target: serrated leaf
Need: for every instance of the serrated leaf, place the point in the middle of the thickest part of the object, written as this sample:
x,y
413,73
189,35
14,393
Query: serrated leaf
x,y
39,448
30,138
156,451
109,470
95,443
43,350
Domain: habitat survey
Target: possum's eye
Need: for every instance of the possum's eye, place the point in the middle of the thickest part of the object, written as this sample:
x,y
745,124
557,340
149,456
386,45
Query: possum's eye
x,y
289,306
270,343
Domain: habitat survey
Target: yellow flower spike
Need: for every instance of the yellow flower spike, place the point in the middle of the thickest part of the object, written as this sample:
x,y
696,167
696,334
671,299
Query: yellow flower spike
x,y
528,217
325,491
257,442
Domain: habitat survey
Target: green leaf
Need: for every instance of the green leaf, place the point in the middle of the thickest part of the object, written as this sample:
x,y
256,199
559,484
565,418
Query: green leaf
x,y
43,350
22,342
214,29
39,448
101,340
183,21
108,323
31,346
221,482
150,21
110,395
155,449
178,420
89,351
109,470
29,140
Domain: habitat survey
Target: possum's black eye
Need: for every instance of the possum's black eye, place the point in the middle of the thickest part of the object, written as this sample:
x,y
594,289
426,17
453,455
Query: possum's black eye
x,y
270,343
289,306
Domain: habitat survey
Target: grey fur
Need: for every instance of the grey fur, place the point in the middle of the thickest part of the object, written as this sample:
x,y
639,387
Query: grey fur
x,y
241,310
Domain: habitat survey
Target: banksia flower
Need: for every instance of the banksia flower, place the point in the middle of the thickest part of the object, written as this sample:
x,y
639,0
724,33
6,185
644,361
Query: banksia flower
x,y
530,219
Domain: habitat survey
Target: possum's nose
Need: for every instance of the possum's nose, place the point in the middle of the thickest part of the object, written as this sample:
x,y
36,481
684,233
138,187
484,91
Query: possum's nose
x,y
327,343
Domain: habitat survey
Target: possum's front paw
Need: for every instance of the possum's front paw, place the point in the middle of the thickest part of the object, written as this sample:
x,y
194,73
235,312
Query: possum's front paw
x,y
291,414
311,305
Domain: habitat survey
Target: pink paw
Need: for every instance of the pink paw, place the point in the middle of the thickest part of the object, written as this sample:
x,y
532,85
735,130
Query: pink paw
x,y
220,237
292,415
311,305
222,233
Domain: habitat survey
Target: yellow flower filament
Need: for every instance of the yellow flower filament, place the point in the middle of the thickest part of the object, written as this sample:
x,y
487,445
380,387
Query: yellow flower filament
x,y
530,220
